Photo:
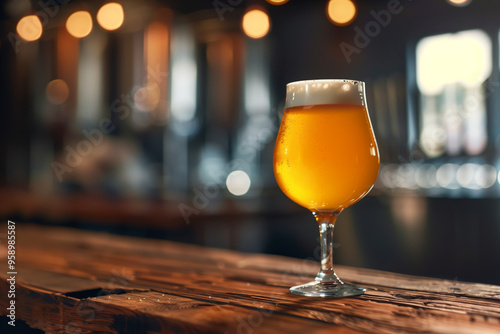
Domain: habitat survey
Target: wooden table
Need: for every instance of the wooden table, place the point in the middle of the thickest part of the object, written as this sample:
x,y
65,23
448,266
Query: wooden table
x,y
73,281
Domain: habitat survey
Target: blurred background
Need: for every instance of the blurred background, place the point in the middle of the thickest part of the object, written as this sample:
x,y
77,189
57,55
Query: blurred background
x,y
158,119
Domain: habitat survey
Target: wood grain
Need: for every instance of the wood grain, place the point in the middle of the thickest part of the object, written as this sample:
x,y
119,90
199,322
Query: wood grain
x,y
78,281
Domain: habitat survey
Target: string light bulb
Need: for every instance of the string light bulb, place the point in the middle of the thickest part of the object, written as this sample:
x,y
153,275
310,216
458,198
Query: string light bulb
x,y
29,28
79,24
341,12
459,3
256,23
277,2
110,16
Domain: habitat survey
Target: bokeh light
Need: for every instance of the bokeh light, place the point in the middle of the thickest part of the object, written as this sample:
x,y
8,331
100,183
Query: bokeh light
x,y
238,183
110,16
486,176
405,176
256,23
465,176
446,176
57,91
459,2
425,176
277,2
341,12
79,24
29,28
387,173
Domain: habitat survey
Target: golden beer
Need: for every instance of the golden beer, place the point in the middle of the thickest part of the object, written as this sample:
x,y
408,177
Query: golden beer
x,y
326,157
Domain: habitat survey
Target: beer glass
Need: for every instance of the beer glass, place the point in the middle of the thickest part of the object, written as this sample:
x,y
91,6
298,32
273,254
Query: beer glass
x,y
326,159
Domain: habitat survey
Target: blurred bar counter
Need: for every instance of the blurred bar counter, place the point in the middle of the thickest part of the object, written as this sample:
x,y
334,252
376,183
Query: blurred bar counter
x,y
101,209
84,207
404,232
82,281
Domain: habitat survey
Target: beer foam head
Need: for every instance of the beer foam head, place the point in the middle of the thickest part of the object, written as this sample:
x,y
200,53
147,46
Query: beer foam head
x,y
331,91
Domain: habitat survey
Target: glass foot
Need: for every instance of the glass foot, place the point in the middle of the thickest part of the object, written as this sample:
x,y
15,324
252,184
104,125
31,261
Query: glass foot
x,y
316,289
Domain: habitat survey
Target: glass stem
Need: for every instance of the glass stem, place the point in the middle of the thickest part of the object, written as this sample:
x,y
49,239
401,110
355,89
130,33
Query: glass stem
x,y
326,222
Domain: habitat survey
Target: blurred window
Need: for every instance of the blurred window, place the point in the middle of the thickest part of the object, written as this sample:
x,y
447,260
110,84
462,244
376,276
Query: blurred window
x,y
451,73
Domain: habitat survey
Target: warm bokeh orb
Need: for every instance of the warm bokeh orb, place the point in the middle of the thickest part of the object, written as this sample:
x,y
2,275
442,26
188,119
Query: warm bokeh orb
x,y
277,2
110,16
79,24
256,23
459,2
29,28
341,12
